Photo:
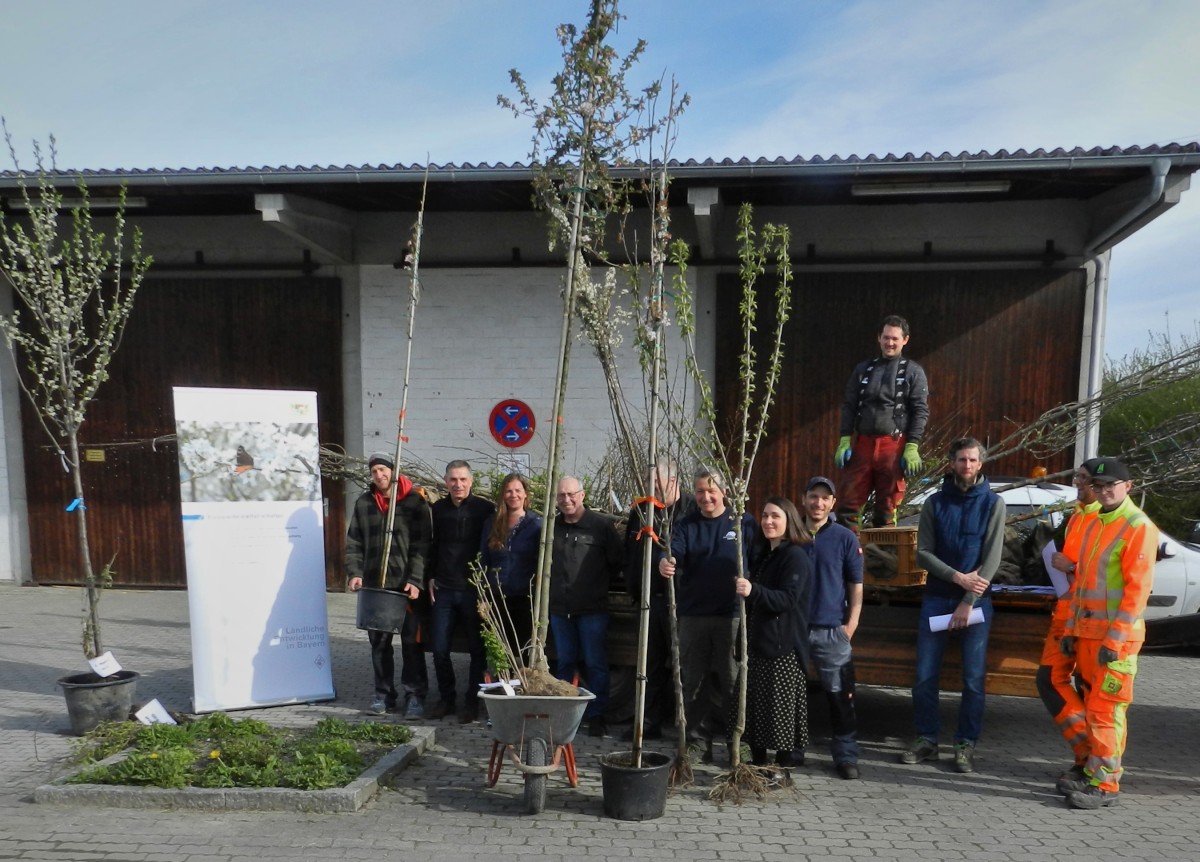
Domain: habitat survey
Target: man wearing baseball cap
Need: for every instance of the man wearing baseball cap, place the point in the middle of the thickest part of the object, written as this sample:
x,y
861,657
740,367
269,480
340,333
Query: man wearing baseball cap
x,y
834,608
1114,571
1056,672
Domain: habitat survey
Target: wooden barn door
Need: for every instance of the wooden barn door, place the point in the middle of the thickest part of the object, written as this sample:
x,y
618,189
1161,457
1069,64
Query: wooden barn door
x,y
1000,347
264,333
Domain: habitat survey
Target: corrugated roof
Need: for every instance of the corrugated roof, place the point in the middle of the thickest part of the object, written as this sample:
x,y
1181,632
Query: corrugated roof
x,y
1023,155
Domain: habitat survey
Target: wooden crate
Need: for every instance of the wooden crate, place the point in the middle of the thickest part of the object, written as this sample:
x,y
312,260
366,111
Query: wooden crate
x,y
893,561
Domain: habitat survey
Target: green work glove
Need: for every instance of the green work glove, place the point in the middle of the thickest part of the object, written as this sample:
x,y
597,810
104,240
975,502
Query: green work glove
x,y
842,456
912,459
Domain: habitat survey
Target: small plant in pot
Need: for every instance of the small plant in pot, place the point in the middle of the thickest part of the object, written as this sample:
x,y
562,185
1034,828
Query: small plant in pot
x,y
73,290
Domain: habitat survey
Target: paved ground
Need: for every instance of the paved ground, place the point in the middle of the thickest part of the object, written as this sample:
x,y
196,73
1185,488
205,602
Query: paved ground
x,y
440,809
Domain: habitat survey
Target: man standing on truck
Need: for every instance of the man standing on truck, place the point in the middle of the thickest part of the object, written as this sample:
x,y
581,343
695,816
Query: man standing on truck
x,y
960,538
884,411
834,608
1056,672
1105,629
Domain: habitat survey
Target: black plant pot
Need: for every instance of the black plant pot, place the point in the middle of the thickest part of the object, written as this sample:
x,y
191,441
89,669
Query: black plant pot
x,y
635,794
92,699
381,610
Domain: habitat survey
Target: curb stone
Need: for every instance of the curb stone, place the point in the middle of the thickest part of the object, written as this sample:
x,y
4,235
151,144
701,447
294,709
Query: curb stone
x,y
352,797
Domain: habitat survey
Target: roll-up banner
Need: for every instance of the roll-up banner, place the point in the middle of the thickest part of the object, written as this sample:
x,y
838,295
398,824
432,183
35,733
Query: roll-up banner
x,y
253,534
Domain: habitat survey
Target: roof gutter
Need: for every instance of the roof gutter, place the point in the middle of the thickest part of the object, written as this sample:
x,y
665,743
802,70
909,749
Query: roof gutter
x,y
1092,253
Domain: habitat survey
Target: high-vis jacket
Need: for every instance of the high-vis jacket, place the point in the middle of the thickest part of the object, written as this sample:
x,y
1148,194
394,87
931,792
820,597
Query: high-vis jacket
x,y
1113,577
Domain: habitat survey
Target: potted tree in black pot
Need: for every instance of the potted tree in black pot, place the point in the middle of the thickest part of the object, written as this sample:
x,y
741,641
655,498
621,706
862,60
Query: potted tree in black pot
x,y
73,288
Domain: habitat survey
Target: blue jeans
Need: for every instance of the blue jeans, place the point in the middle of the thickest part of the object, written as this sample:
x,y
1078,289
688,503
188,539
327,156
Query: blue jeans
x,y
454,608
930,648
583,637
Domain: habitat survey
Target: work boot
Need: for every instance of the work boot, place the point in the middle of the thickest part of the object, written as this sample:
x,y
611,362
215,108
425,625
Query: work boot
x,y
597,727
1073,779
847,770
1092,797
469,713
964,757
440,710
921,749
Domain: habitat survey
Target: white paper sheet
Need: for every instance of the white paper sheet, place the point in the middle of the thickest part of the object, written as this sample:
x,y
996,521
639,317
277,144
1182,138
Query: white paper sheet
x,y
105,665
154,713
1057,578
942,623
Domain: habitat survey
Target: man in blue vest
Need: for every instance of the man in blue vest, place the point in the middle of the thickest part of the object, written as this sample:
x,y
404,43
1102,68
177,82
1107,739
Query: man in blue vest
x,y
884,411
959,541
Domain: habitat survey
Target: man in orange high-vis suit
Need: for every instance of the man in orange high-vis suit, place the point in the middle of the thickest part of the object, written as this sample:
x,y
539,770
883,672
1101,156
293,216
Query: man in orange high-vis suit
x,y
1105,629
1056,672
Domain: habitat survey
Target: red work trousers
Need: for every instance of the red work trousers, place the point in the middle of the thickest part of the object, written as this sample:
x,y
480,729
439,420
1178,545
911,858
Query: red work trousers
x,y
1107,693
875,465
1056,685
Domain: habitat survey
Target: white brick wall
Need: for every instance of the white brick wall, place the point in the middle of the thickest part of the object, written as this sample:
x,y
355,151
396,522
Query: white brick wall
x,y
481,336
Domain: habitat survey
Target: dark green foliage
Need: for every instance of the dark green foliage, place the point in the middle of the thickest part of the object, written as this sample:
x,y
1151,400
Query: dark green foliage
x,y
217,751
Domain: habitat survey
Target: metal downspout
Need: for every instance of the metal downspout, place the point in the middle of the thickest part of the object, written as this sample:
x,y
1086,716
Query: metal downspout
x,y
1158,171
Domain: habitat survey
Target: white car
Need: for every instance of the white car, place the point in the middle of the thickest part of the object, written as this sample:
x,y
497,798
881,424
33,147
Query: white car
x,y
1176,588
1176,574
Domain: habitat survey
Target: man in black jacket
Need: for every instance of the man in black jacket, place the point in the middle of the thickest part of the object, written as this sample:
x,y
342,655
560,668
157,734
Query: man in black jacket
x,y
405,572
884,411
588,557
457,526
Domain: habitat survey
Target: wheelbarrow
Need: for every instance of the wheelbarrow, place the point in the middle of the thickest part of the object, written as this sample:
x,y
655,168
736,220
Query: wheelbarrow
x,y
543,727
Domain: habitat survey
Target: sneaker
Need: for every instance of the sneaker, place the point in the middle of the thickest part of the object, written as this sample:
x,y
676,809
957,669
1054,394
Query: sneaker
x,y
469,713
921,749
847,770
1073,779
597,727
964,757
414,709
1092,797
378,707
439,710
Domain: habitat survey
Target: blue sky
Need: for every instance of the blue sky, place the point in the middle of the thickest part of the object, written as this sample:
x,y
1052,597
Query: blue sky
x,y
145,83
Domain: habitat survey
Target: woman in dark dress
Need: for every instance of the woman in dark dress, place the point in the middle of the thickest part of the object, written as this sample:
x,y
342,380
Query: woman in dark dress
x,y
776,595
508,552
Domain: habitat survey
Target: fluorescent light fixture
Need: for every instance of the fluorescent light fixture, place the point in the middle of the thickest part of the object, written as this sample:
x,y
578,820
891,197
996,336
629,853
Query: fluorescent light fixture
x,y
110,203
881,190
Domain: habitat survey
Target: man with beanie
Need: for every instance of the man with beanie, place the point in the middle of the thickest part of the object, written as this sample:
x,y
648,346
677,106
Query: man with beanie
x,y
1105,630
884,411
834,608
405,572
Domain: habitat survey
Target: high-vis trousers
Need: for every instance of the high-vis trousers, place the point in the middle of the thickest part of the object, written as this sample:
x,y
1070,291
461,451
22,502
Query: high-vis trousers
x,y
1056,686
1107,693
874,466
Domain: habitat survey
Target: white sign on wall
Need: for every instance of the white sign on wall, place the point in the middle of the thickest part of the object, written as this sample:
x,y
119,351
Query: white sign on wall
x,y
253,533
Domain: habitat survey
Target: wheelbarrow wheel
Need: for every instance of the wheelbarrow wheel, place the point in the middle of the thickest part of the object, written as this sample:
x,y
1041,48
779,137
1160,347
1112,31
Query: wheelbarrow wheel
x,y
535,785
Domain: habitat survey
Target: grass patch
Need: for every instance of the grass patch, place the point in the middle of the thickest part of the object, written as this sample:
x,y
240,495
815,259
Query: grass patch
x,y
218,751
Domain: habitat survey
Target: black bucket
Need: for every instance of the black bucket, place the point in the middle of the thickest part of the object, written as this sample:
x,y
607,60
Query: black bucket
x,y
635,794
381,610
92,699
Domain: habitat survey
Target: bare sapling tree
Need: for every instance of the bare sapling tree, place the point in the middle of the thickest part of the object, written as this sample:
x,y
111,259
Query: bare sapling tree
x,y
580,135
73,291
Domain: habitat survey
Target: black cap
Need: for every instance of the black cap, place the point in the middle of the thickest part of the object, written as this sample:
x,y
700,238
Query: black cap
x,y
1089,466
1109,470
380,458
820,480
